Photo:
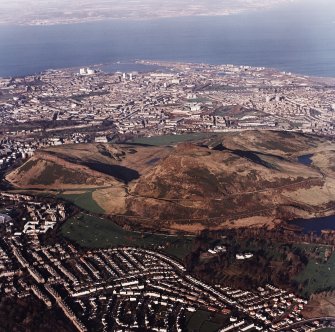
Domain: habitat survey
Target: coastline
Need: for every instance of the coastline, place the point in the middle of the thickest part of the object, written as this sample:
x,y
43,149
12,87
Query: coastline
x,y
237,39
161,66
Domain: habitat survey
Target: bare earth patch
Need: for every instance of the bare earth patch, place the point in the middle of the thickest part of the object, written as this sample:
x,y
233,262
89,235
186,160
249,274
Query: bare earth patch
x,y
256,221
189,228
73,192
315,196
321,305
112,200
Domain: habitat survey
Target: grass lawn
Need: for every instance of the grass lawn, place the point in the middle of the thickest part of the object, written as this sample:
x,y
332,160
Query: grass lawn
x,y
179,247
318,276
204,321
84,201
197,319
99,232
170,139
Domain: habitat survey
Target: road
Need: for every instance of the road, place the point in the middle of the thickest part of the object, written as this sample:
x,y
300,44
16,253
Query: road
x,y
303,322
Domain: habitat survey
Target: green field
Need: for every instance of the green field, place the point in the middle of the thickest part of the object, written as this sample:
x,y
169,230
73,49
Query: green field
x,y
99,232
84,201
318,276
171,139
205,321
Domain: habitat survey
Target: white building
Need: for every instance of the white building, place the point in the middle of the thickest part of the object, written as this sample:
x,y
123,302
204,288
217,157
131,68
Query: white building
x,y
86,71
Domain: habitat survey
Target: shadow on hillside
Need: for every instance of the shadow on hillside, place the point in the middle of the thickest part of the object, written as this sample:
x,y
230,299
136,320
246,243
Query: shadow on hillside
x,y
249,155
121,173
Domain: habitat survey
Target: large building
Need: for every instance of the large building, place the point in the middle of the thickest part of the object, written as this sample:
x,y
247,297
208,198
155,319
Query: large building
x,y
86,71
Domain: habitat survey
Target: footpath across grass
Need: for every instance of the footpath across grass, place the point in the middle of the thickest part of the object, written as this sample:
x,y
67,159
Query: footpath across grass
x,y
100,232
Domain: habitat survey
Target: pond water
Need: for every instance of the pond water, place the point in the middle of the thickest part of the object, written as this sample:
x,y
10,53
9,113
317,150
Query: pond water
x,y
315,225
305,159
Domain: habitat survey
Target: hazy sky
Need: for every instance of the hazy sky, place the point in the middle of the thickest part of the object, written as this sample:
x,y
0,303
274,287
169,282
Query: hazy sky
x,y
61,4
67,11
36,12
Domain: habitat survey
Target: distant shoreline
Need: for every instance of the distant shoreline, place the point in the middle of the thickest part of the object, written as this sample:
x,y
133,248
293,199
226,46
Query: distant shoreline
x,y
237,39
139,65
129,10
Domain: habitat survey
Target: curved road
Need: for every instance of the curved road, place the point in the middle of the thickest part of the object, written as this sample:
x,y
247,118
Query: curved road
x,y
306,321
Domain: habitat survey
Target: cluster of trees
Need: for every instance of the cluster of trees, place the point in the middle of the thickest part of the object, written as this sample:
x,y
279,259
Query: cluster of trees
x,y
30,315
275,258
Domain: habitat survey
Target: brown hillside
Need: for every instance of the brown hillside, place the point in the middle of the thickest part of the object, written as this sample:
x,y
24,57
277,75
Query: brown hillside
x,y
228,180
216,186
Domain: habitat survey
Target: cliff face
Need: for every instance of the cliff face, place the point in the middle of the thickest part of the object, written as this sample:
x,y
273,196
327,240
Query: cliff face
x,y
60,168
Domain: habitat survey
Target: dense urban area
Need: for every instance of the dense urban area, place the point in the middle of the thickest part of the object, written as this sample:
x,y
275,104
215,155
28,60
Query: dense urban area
x,y
126,287
177,99
130,288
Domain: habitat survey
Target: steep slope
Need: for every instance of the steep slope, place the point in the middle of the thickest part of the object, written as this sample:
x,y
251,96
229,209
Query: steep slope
x,y
73,166
86,166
